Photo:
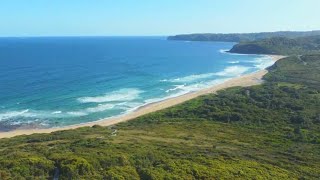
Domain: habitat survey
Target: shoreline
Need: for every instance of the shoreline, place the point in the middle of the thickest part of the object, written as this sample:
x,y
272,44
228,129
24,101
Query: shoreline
x,y
243,81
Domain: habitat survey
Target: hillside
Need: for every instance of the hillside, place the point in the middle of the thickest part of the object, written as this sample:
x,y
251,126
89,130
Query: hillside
x,y
239,37
270,131
280,45
301,69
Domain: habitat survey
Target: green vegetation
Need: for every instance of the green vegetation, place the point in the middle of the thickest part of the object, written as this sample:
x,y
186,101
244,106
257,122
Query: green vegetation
x,y
297,69
239,37
270,131
280,45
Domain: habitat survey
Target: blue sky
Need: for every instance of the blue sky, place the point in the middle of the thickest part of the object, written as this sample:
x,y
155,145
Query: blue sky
x,y
154,17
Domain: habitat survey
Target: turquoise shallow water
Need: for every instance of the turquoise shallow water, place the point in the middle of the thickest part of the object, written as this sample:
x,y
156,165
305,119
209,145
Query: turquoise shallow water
x,y
70,80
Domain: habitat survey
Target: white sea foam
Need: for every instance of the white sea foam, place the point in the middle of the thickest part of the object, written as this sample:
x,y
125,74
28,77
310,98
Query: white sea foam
x,y
12,114
176,87
15,115
127,94
237,54
202,85
234,62
263,62
104,107
56,112
100,108
16,123
191,78
77,113
129,105
233,71
36,121
224,51
187,89
87,111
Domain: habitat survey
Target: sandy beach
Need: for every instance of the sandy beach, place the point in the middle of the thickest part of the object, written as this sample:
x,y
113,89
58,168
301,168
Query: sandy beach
x,y
245,80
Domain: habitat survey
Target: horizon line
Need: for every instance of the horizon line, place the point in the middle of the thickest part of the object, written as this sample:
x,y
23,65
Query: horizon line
x,y
49,36
61,36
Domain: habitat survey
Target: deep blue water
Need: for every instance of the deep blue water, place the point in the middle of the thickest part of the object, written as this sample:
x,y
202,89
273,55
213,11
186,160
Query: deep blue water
x,y
70,80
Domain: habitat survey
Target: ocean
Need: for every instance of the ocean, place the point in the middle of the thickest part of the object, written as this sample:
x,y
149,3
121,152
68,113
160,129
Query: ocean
x,y
58,81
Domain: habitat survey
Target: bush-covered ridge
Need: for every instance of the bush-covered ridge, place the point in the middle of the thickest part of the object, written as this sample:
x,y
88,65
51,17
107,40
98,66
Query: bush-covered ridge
x,y
270,131
238,37
298,69
280,45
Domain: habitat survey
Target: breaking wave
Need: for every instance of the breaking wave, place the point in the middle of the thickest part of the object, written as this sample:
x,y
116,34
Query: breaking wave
x,y
234,62
11,114
233,71
263,62
35,114
176,87
191,78
127,94
184,89
224,51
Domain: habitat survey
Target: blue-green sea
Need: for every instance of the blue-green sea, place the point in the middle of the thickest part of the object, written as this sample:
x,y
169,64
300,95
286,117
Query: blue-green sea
x,y
59,81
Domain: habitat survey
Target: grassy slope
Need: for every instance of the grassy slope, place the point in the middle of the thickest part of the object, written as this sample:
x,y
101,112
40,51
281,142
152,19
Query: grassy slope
x,y
271,131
